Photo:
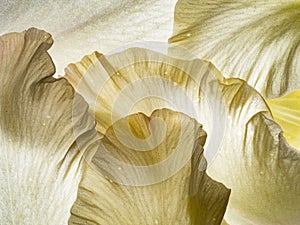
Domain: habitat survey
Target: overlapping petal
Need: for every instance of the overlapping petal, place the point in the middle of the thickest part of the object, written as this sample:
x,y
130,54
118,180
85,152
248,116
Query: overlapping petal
x,y
135,80
139,79
258,41
41,162
160,184
79,27
253,158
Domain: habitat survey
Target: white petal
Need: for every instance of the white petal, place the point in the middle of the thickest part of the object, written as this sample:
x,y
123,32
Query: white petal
x,y
257,41
80,27
41,161
136,186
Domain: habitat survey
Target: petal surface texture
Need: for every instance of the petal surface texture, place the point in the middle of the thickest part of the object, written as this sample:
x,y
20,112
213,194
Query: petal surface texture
x,y
257,41
245,149
80,27
154,179
41,162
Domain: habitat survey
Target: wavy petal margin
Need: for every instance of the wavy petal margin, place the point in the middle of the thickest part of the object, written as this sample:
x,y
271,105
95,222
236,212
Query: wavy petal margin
x,y
188,196
257,41
79,27
41,164
253,158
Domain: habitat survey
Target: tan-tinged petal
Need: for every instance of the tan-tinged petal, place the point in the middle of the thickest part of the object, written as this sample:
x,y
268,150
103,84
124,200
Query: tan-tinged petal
x,y
258,41
128,189
41,162
79,27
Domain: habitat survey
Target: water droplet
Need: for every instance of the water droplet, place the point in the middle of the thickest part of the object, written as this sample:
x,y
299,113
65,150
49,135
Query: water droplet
x,y
107,178
188,34
156,221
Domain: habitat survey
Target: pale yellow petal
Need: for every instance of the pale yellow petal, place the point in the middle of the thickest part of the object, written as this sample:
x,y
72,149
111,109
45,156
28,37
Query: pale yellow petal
x,y
286,112
257,41
41,161
153,181
80,27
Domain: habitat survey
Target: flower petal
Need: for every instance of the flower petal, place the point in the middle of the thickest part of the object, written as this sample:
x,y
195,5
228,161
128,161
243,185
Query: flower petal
x,y
41,161
257,41
79,27
286,112
257,164
136,186
141,79
252,157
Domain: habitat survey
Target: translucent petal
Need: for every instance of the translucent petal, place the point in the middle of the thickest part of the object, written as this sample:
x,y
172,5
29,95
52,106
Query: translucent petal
x,y
257,41
41,161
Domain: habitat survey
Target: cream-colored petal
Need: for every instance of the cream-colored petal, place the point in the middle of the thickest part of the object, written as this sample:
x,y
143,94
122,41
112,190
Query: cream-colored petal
x,y
286,112
257,41
251,156
155,180
41,161
80,27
